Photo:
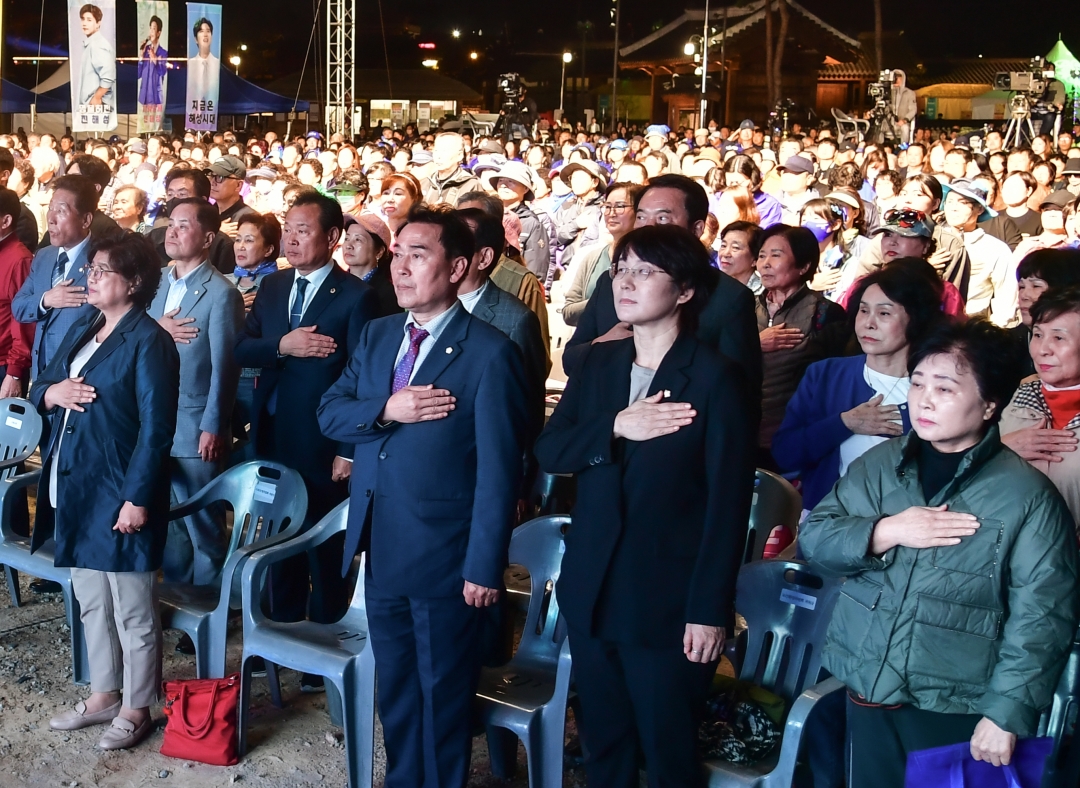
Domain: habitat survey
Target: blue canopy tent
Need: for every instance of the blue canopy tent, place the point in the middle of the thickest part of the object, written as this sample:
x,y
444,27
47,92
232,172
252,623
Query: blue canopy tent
x,y
237,97
14,98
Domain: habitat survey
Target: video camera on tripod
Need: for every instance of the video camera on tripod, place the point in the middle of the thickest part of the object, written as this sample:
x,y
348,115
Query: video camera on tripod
x,y
512,123
1028,89
881,91
510,85
883,120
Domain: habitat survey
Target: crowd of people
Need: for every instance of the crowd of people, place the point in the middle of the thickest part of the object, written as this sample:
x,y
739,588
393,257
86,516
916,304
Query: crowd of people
x,y
894,328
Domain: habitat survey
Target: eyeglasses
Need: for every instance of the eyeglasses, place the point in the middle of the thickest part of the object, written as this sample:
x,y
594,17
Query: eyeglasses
x,y
638,274
221,178
96,271
615,208
904,217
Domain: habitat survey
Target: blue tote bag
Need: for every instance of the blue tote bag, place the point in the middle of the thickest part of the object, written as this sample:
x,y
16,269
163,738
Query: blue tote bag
x,y
953,767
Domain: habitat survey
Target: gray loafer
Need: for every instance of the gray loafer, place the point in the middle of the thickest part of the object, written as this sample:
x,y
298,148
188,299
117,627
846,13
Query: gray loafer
x,y
123,734
78,718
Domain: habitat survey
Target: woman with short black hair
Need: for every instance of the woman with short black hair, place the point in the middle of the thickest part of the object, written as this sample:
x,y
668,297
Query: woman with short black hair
x,y
961,600
111,392
656,429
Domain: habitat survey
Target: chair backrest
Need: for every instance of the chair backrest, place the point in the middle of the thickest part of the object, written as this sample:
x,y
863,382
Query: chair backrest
x,y
265,497
538,546
840,115
775,503
20,433
553,493
787,607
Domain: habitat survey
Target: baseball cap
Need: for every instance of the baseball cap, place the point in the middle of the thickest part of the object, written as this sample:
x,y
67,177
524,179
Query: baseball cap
x,y
619,145
1057,201
228,167
657,130
421,156
746,124
136,145
906,222
797,163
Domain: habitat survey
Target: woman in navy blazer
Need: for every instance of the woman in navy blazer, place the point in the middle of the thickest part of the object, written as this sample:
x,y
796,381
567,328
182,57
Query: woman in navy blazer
x,y
110,397
659,431
844,406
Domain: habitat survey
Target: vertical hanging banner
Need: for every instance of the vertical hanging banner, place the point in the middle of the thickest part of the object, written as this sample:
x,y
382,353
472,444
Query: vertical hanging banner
x,y
203,66
92,41
153,21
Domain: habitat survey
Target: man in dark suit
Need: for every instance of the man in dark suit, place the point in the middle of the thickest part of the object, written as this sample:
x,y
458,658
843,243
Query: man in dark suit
x,y
435,402
728,322
301,330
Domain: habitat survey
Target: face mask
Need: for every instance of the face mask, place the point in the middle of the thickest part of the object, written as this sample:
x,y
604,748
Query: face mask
x,y
820,229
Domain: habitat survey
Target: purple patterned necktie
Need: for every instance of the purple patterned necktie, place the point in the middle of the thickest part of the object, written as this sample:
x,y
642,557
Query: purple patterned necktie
x,y
404,369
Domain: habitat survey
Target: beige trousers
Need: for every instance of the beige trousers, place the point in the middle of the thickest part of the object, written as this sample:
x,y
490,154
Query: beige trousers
x,y
123,633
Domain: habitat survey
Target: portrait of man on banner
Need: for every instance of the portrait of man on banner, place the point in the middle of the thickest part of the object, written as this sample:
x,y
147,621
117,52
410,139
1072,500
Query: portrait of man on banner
x,y
203,67
153,64
93,66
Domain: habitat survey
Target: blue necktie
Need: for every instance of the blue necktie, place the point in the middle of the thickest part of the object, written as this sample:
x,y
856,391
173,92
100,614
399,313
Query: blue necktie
x,y
58,269
297,311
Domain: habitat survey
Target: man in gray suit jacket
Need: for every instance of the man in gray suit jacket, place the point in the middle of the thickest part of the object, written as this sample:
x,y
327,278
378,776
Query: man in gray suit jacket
x,y
502,310
203,312
54,294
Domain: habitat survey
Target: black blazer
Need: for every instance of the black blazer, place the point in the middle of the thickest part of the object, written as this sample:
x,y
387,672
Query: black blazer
x,y
340,309
115,451
728,324
659,526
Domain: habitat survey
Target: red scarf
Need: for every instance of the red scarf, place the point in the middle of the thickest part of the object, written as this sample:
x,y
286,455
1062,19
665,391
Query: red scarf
x,y
1064,405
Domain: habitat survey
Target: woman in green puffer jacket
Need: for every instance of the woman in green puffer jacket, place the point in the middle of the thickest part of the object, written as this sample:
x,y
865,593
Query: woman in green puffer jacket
x,y
961,599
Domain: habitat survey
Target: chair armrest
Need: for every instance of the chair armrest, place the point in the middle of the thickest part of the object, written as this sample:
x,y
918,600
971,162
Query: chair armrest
x,y
262,555
239,557
796,722
7,489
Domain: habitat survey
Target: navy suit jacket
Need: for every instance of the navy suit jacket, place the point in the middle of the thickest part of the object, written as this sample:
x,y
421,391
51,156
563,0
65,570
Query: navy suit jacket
x,y
340,309
53,324
115,451
434,500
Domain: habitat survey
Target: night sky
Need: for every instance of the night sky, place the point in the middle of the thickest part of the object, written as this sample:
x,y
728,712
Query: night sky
x,y
276,31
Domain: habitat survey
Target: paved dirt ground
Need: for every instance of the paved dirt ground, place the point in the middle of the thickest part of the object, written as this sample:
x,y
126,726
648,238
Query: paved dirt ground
x,y
294,746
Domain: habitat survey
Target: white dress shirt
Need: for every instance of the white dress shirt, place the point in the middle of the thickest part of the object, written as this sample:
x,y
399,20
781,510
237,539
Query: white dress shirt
x,y
86,352
434,327
178,287
315,280
72,253
470,300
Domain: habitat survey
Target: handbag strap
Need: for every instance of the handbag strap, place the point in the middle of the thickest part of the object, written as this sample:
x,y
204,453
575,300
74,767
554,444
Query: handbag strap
x,y
200,730
956,775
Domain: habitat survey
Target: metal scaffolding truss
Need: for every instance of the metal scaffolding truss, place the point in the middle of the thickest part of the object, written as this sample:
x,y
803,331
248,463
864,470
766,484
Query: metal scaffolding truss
x,y
340,61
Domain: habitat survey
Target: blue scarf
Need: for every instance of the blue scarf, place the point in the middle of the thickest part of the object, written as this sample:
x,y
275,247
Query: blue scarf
x,y
265,267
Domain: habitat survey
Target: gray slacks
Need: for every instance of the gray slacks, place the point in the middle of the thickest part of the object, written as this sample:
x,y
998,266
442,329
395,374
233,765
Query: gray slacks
x,y
196,546
123,633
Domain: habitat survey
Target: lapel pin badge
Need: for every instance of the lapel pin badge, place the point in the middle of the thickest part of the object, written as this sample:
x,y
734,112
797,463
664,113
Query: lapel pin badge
x,y
667,393
333,290
449,350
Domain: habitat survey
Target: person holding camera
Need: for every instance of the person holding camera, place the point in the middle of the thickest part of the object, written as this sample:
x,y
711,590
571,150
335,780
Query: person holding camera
x,y
1050,104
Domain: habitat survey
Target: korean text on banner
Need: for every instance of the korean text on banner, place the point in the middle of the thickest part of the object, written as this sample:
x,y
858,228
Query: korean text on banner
x,y
203,66
92,42
153,21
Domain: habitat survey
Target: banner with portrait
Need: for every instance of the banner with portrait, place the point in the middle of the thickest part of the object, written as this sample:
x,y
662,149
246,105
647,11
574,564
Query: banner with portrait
x,y
92,60
203,66
153,22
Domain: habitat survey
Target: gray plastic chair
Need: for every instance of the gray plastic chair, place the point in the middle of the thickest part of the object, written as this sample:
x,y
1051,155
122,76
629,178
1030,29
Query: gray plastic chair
x,y
339,652
527,697
775,503
787,608
20,433
267,499
857,128
1060,722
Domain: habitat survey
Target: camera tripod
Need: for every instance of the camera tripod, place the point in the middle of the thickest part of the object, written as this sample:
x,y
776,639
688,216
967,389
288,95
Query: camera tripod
x,y
1019,122
511,123
883,125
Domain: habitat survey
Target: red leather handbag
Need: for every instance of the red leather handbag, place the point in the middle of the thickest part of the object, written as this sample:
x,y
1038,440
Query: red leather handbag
x,y
202,720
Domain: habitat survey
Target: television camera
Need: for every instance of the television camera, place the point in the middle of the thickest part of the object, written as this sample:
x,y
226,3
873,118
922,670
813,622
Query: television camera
x,y
511,124
883,121
1028,89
